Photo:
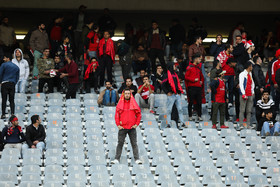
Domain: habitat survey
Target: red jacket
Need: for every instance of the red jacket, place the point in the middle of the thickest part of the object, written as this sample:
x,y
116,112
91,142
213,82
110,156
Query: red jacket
x,y
193,72
275,67
93,41
126,116
110,50
72,70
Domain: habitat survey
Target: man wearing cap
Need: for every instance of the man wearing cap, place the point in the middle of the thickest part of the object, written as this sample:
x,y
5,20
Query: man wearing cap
x,y
247,86
218,98
270,125
12,134
9,76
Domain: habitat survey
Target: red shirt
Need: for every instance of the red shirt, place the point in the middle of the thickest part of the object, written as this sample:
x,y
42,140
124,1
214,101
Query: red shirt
x,y
248,89
145,94
127,117
56,33
221,92
73,73
93,41
223,57
193,72
275,67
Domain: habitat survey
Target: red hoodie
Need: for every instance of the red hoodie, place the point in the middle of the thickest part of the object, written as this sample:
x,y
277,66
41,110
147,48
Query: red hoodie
x,y
93,41
193,72
128,113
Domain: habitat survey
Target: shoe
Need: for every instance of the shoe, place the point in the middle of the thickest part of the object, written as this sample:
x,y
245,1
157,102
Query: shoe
x,y
35,78
199,119
190,118
115,161
138,161
152,112
267,134
237,120
224,127
96,91
276,134
230,105
183,125
214,127
3,117
245,120
168,126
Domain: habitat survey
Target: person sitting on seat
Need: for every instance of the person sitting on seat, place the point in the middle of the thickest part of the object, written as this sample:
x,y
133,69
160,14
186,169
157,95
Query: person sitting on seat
x,y
108,96
128,84
270,126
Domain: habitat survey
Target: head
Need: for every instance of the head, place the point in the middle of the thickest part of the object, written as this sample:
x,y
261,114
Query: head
x,y
220,73
35,119
244,34
238,39
69,58
175,21
13,120
66,39
185,46
248,66
7,57
240,26
106,11
140,47
219,38
159,69
265,95
82,8
229,48
143,73
196,59
106,35
18,54
93,59
59,18
257,60
146,79
154,24
198,40
108,84
56,59
42,26
5,20
46,52
231,62
127,94
128,81
268,114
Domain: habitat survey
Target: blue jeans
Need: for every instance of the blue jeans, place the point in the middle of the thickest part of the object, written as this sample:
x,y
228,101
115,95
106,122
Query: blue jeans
x,y
265,128
110,98
230,82
37,55
92,54
175,98
20,86
40,145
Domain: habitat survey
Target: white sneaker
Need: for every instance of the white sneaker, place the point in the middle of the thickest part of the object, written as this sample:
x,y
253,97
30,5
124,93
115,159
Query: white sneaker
x,y
190,118
199,119
138,161
115,161
230,105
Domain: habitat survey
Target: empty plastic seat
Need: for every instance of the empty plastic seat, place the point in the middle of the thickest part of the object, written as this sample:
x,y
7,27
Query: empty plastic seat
x,y
228,132
179,152
55,96
9,160
240,185
97,169
137,169
76,184
100,177
91,109
253,139
232,139
268,162
91,116
29,184
55,102
247,162
169,131
54,145
20,109
8,169
119,168
38,96
73,109
217,184
31,169
52,184
31,152
20,102
146,184
164,168
54,177
11,152
97,160
72,116
149,131
90,96
216,153
229,170
209,132
211,139
211,178
36,109
263,154
77,177
185,169
149,124
71,102
252,171
242,154
147,177
189,178
167,177
272,139
224,161
275,180
54,116
121,177
206,169
55,109
175,145
6,177
190,131
270,171
182,160
31,177
216,145
37,102
248,132
275,147
200,153
52,169
258,147
160,160
194,138
237,146
100,183
32,160
257,179
97,145
76,160
200,161
194,145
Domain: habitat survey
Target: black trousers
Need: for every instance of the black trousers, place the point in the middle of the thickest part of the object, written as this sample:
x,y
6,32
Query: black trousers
x,y
105,63
8,88
194,94
92,80
72,90
133,140
157,53
42,82
237,101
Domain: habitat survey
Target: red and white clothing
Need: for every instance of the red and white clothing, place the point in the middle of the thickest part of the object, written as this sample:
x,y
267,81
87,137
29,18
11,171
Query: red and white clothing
x,y
93,41
223,57
221,92
107,47
275,67
145,94
246,83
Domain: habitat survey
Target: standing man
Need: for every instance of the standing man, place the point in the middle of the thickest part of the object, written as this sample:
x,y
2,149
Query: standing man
x,y
7,35
128,116
239,51
217,47
39,41
107,57
70,70
172,87
218,98
194,81
274,68
177,33
45,65
145,95
12,135
35,135
247,86
156,45
197,47
23,70
9,75
128,84
258,77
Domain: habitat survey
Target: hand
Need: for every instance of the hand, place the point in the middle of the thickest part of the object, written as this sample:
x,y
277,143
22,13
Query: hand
x,y
169,93
33,146
244,97
237,86
200,82
263,114
62,75
215,78
275,85
160,81
120,127
35,142
134,127
195,80
227,100
141,58
208,90
261,89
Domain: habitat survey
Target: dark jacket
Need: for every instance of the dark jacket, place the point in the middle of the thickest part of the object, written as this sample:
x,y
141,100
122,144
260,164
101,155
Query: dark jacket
x,y
258,77
132,87
161,38
166,87
262,107
32,134
155,79
240,54
238,69
215,49
177,33
15,137
261,122
9,72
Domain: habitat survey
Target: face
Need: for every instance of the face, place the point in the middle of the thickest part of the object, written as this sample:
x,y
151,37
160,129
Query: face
x,y
6,59
197,60
233,64
154,26
269,115
142,73
128,82
39,120
219,38
108,85
199,40
42,26
106,35
18,54
174,67
184,47
231,49
265,96
15,123
93,60
46,53
259,60
238,40
5,20
250,68
140,48
159,69
126,94
146,79
66,40
56,59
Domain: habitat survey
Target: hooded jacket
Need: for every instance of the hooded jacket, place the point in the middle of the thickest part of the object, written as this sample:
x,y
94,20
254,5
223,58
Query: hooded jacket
x,y
22,64
171,81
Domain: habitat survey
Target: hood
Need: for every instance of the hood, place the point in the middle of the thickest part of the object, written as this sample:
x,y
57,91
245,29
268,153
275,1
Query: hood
x,y
169,66
19,51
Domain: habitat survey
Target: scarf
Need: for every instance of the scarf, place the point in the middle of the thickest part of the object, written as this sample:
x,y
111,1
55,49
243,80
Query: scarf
x,y
90,69
171,82
11,130
110,50
133,104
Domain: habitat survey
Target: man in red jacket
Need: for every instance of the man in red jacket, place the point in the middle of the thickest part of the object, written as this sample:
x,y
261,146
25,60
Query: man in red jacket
x,y
274,68
107,57
194,84
128,116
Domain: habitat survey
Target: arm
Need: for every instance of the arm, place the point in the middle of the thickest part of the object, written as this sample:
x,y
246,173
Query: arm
x,y
27,138
140,88
273,72
190,53
26,70
100,97
150,89
188,76
22,137
241,83
117,118
4,133
121,89
138,118
42,138
1,72
32,41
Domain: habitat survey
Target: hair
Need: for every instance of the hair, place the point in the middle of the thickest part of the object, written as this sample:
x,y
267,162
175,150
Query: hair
x,y
142,70
70,56
65,36
219,35
128,78
11,118
265,91
46,49
108,81
227,46
255,58
138,45
247,65
159,65
34,118
8,55
146,76
231,60
126,89
154,21
196,55
57,56
267,111
106,31
238,36
93,58
196,38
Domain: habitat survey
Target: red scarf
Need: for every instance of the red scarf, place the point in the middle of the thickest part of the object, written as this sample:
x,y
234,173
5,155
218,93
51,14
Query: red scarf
x,y
133,104
110,50
11,130
90,69
172,84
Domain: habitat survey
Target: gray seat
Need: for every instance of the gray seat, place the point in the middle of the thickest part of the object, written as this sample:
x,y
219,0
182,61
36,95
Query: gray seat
x,y
76,160
200,161
188,131
247,132
52,169
146,184
246,162
216,184
150,124
96,145
167,177
31,177
72,116
149,131
9,160
91,109
100,183
229,170
53,160
76,184
228,132
31,152
54,145
179,152
54,137
29,184
155,145
55,109
137,169
257,179
97,160
73,169
52,184
122,183
232,139
31,169
175,145
54,116
240,185
97,169
6,177
77,177
200,153
121,177
272,139
263,154
258,147
55,96
252,171
206,169
183,169
224,161
119,168
164,168
38,96
20,109
253,139
51,131
160,160
11,152
182,160
211,139
211,178
93,123
73,102
100,177
90,102
73,109
37,102
21,102
270,171
216,153
54,177
32,160
36,109
91,116
216,145
55,102
275,180
189,178
147,117
268,162
169,131
90,96
8,169
275,147
209,132
194,145
237,146
242,154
